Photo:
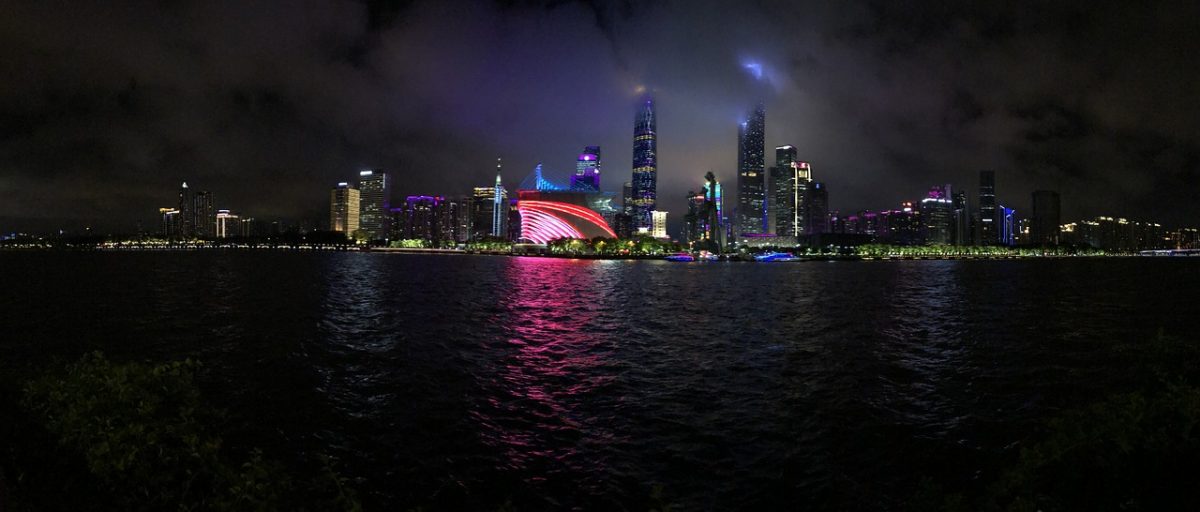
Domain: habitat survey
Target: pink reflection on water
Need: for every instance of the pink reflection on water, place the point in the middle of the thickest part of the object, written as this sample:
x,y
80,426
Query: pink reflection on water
x,y
549,404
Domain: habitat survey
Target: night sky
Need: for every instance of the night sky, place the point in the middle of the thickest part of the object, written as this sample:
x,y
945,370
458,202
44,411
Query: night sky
x,y
106,107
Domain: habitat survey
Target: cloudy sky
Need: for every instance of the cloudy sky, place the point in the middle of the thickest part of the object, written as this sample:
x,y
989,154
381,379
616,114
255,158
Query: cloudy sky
x,y
105,107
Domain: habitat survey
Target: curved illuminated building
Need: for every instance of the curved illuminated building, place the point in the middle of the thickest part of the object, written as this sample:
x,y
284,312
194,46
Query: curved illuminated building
x,y
549,212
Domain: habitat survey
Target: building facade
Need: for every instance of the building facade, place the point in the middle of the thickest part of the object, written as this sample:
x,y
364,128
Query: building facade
x,y
644,185
343,209
374,192
751,174
587,170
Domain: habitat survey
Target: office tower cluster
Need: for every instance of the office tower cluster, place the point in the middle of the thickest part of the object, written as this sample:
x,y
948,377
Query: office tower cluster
x,y
194,217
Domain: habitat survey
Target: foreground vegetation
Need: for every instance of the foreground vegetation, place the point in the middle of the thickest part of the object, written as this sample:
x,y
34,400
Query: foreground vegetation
x,y
134,436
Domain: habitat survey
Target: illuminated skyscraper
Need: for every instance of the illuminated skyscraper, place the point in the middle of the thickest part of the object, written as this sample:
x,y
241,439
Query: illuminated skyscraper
x,y
1006,225
185,223
962,220
1046,218
587,170
374,189
644,192
499,210
343,208
660,224
488,210
228,224
170,222
988,233
713,230
783,186
937,215
204,215
751,177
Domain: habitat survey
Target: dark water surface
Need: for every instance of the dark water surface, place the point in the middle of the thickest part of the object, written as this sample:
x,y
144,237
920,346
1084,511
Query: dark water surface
x,y
466,381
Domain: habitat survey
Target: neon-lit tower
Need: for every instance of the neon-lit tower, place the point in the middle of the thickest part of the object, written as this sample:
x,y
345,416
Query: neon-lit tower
x,y
587,170
751,179
645,167
499,212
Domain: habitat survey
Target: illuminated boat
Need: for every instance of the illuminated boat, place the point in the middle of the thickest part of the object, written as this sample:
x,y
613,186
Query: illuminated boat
x,y
776,256
683,256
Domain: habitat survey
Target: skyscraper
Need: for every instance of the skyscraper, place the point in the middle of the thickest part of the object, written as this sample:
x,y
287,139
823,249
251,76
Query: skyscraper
x,y
499,212
374,189
712,228
1046,218
488,210
937,215
185,225
962,219
204,215
1006,225
816,206
644,191
343,208
660,224
587,170
751,178
988,233
783,187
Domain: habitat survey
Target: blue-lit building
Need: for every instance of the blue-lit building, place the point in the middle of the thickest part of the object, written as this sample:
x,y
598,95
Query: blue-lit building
x,y
644,186
751,212
587,170
1006,225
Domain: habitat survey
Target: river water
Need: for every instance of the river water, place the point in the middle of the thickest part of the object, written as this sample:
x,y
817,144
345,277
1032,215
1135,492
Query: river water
x,y
464,382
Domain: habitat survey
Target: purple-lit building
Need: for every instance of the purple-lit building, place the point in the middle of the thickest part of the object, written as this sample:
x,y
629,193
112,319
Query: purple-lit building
x,y
587,171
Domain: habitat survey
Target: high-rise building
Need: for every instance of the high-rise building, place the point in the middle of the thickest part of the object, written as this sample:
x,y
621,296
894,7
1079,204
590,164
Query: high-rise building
x,y
644,190
962,220
1006,225
499,210
343,208
816,207
783,192
374,192
170,222
751,178
424,218
587,170
205,216
988,233
937,216
691,220
227,224
627,198
488,210
713,228
186,227
1046,218
660,224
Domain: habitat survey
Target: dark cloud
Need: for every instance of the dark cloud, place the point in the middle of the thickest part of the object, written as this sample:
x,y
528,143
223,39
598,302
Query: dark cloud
x,y
105,108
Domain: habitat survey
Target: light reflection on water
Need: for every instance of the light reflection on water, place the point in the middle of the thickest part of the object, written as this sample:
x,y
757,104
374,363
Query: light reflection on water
x,y
463,382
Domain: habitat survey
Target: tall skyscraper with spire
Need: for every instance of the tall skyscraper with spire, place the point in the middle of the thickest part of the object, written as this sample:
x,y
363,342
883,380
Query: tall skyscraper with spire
x,y
499,210
751,178
644,191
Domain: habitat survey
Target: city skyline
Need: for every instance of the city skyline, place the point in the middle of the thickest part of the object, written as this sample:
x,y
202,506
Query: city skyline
x,y
266,139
